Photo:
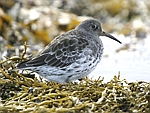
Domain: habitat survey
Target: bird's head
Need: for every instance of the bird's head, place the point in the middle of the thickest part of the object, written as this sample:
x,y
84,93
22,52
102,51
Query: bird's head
x,y
93,26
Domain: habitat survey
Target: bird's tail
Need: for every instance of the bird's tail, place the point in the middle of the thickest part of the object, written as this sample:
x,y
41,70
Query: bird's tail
x,y
22,65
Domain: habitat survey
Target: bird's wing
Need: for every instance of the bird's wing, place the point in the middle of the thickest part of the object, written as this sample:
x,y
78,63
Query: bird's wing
x,y
61,52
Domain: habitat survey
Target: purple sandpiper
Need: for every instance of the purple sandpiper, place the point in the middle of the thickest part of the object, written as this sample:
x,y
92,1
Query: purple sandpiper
x,y
70,56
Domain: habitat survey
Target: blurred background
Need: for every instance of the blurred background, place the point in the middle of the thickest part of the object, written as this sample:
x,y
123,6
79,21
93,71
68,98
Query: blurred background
x,y
38,22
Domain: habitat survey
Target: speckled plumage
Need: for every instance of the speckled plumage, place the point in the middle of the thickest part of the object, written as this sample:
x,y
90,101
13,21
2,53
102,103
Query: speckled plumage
x,y
70,56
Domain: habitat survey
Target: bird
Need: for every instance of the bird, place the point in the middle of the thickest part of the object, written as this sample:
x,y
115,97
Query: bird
x,y
70,56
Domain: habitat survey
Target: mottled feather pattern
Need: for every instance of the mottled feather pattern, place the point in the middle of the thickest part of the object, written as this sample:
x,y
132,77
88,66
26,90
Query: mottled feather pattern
x,y
63,51
70,56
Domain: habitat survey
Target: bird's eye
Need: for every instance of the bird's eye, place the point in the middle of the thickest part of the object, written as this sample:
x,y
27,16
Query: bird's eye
x,y
93,26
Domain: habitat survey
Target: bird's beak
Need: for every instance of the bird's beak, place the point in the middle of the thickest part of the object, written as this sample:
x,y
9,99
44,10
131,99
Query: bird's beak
x,y
103,33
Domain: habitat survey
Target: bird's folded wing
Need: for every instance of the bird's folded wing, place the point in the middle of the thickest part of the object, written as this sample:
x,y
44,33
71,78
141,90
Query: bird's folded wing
x,y
61,52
